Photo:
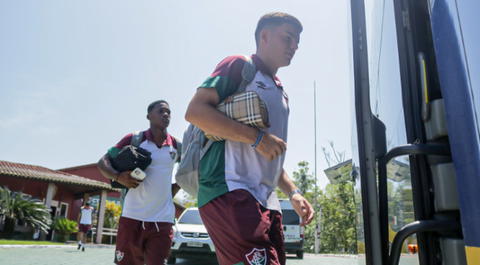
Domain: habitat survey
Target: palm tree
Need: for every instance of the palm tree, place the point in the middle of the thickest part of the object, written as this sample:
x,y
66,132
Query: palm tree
x,y
18,206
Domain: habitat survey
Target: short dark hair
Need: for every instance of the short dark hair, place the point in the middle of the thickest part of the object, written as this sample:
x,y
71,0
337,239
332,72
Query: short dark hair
x,y
275,19
87,204
153,104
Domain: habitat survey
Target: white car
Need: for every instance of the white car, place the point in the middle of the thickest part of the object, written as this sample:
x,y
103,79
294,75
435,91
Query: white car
x,y
190,238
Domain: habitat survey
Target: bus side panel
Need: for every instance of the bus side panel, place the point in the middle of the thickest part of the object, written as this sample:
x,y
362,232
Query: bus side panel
x,y
457,90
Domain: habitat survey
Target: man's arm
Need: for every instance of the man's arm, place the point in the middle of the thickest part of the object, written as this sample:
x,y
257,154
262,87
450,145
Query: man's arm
x,y
79,216
303,208
202,113
106,168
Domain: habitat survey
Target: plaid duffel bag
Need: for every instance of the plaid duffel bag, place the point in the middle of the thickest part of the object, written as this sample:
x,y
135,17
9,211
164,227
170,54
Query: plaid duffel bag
x,y
247,108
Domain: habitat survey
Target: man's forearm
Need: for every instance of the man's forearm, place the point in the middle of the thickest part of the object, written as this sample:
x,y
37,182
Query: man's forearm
x,y
106,168
285,184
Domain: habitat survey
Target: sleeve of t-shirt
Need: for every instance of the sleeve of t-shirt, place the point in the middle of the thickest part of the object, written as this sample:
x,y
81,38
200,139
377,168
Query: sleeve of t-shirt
x,y
227,76
113,151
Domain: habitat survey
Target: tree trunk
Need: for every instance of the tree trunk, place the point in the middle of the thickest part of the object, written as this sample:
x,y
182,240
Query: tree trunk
x,y
8,228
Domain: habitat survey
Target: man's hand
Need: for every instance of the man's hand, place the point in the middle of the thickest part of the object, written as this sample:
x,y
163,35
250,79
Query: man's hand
x,y
128,181
271,147
303,208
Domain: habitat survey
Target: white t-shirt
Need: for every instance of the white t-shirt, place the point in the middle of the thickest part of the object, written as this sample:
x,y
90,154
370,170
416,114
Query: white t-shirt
x,y
152,200
86,218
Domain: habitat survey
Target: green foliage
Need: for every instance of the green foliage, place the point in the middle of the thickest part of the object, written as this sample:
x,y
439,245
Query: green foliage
x,y
64,227
187,201
27,242
337,233
17,206
304,181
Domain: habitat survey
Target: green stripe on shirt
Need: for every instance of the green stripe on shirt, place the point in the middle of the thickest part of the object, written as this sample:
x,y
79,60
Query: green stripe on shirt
x,y
222,84
113,152
212,174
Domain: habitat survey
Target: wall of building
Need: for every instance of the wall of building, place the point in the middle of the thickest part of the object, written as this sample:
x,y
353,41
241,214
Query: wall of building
x,y
38,190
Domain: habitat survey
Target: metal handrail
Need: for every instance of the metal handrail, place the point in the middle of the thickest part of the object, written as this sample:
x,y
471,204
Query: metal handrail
x,y
415,227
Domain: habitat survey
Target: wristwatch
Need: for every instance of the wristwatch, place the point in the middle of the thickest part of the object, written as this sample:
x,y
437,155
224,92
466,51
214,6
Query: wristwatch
x,y
294,192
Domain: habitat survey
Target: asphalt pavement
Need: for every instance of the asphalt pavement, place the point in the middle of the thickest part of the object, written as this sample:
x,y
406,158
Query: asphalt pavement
x,y
104,254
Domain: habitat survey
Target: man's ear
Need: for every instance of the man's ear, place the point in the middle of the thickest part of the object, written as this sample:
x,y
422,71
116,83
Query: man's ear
x,y
264,36
148,117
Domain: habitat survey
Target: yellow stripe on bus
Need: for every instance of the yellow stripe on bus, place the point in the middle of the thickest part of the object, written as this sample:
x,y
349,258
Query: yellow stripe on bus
x,y
425,81
473,255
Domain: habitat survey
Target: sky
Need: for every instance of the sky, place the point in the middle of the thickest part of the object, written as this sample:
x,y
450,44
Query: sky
x,y
77,76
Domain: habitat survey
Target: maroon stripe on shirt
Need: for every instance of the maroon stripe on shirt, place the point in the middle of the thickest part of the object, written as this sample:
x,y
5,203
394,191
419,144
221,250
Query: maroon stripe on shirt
x,y
232,66
147,135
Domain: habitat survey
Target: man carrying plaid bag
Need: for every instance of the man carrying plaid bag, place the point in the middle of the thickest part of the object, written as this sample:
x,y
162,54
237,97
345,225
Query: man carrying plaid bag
x,y
238,176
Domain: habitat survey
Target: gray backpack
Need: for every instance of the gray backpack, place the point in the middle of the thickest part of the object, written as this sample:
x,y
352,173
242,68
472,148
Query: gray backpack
x,y
195,145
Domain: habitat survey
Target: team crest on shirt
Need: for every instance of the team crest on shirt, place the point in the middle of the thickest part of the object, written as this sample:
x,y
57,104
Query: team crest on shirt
x,y
257,257
173,155
119,255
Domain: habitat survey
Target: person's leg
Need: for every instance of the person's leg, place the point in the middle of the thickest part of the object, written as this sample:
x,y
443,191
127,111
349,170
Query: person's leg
x,y
79,238
85,234
276,235
129,249
238,226
159,237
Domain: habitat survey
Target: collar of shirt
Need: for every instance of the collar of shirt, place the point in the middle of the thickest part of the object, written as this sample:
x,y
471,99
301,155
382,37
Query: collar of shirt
x,y
263,68
168,140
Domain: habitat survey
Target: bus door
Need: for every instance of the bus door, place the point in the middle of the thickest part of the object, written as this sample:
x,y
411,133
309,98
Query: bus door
x,y
404,173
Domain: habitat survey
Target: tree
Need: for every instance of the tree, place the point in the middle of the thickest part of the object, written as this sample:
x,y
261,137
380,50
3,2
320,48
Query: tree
x,y
338,158
304,181
337,231
16,206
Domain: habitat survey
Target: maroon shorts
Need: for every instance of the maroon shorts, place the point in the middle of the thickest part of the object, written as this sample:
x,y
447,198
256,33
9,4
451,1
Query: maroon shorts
x,y
244,231
84,228
143,242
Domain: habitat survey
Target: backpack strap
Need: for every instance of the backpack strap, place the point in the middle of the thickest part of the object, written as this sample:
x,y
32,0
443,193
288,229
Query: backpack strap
x,y
137,138
248,74
178,147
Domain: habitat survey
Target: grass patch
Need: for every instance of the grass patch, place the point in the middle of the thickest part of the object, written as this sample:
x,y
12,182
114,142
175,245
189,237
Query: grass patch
x,y
27,242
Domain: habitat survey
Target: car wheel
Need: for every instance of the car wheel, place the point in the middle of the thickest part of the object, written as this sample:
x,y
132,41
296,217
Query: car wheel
x,y
300,254
172,260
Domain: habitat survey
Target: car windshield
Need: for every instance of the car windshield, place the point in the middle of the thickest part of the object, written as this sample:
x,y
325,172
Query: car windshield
x,y
290,217
191,217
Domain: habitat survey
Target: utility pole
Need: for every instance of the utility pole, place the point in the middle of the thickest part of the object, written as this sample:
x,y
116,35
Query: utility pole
x,y
315,126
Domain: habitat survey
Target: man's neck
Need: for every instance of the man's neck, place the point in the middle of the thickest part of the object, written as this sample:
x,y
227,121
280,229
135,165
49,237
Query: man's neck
x,y
159,135
264,58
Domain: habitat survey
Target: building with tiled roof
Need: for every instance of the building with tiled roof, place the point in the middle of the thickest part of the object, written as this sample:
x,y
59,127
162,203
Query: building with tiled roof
x,y
59,190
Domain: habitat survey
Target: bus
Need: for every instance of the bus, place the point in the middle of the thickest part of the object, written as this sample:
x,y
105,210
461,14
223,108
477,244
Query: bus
x,y
415,132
